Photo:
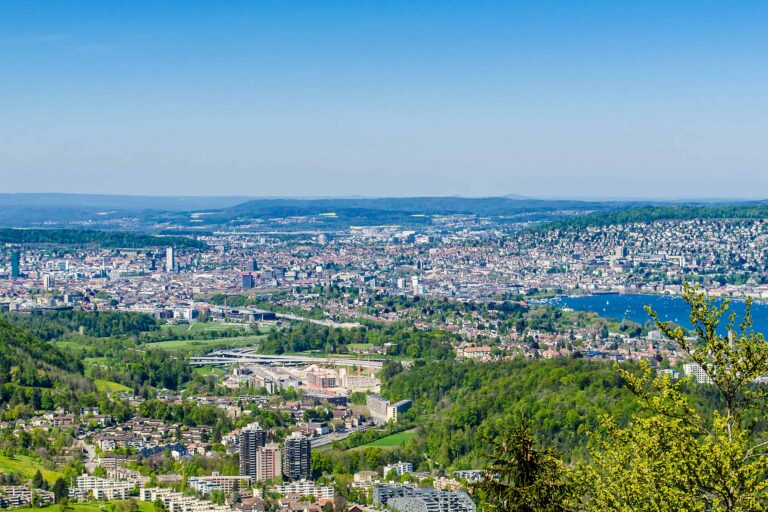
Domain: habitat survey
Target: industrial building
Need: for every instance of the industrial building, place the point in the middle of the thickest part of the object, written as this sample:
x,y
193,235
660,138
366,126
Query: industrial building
x,y
383,411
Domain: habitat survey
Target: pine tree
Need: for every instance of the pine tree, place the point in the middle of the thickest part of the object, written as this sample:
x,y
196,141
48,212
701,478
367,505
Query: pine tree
x,y
38,482
521,477
60,489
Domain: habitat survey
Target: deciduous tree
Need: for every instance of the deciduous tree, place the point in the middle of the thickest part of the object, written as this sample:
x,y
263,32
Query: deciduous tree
x,y
676,456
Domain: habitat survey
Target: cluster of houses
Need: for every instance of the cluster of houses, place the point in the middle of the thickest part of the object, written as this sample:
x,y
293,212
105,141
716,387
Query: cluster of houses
x,y
149,436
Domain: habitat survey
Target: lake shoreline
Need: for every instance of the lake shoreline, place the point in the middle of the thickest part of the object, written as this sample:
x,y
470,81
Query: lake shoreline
x,y
631,306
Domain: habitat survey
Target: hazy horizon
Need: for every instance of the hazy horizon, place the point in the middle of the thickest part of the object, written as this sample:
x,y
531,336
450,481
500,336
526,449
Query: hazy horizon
x,y
329,197
659,100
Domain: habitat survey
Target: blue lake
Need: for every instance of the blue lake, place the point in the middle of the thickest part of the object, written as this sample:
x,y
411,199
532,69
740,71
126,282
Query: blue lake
x,y
631,307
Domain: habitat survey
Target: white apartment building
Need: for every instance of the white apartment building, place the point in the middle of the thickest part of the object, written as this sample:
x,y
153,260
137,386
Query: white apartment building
x,y
178,502
100,488
225,484
127,475
21,495
698,372
400,468
304,488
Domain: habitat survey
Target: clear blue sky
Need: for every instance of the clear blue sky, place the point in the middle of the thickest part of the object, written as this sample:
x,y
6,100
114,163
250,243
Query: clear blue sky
x,y
571,98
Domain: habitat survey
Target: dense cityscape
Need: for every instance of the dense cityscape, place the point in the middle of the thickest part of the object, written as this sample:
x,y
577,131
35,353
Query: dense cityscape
x,y
383,256
284,393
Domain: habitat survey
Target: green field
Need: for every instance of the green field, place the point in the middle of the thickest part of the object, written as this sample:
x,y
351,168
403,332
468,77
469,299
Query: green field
x,y
90,361
183,347
110,387
90,506
209,370
26,467
188,346
202,327
69,344
392,441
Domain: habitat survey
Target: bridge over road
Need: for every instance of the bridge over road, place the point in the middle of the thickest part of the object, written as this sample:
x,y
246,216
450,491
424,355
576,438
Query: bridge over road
x,y
227,357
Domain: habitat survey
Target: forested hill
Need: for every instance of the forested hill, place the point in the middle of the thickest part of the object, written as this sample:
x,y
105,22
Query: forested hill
x,y
754,210
100,324
417,205
122,239
460,402
33,371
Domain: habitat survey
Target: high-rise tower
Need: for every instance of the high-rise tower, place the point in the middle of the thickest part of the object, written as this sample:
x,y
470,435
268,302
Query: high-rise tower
x,y
15,264
170,263
297,457
251,439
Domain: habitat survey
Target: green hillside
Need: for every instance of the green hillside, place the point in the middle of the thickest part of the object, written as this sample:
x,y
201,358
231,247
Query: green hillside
x,y
37,373
647,214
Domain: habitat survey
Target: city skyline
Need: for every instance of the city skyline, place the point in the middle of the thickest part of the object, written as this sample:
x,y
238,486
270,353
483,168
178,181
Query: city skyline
x,y
364,256
660,100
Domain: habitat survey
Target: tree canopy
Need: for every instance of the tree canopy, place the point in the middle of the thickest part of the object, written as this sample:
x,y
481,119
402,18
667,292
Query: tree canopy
x,y
673,454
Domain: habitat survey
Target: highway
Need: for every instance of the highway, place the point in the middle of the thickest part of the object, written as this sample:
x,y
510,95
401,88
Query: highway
x,y
226,357
325,323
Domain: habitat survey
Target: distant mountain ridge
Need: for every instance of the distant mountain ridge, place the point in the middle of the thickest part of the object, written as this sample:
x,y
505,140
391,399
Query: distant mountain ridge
x,y
427,205
120,202
200,215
